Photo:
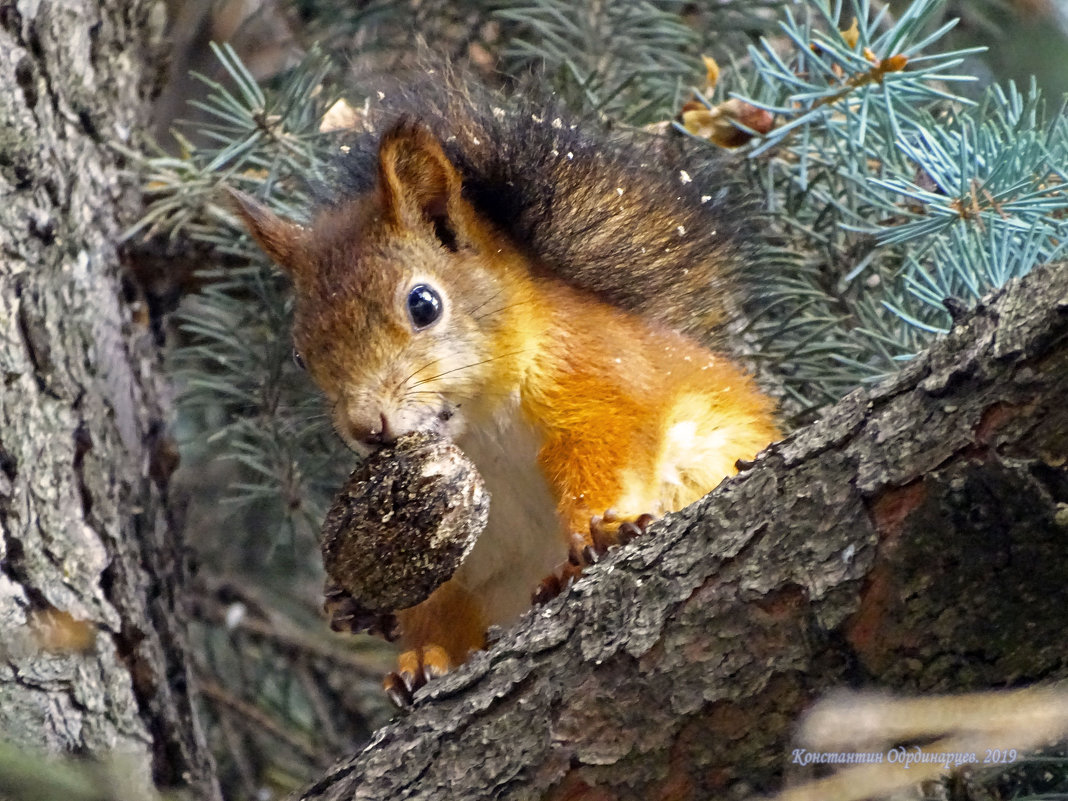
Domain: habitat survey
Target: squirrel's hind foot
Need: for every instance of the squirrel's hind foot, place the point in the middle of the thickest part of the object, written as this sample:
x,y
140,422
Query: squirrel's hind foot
x,y
414,669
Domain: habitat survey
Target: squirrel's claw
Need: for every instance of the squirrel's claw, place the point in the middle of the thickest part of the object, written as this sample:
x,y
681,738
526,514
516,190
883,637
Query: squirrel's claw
x,y
346,615
397,691
630,529
414,669
606,531
555,583
609,529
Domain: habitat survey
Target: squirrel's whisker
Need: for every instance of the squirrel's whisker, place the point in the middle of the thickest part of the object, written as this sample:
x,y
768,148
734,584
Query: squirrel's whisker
x,y
401,385
469,366
492,297
503,308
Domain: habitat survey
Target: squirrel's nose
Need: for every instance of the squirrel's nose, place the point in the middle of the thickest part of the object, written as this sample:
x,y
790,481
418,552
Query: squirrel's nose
x,y
372,432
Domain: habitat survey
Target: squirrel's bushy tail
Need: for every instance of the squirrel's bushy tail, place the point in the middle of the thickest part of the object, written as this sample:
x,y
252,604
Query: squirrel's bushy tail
x,y
624,214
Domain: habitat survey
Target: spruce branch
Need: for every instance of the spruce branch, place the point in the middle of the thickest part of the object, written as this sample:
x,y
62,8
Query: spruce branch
x,y
894,193
233,370
621,59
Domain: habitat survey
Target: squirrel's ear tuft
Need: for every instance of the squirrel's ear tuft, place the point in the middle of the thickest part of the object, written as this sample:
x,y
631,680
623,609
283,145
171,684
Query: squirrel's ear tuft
x,y
280,238
418,183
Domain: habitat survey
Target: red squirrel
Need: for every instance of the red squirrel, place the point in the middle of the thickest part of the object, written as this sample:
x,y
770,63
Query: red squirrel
x,y
535,293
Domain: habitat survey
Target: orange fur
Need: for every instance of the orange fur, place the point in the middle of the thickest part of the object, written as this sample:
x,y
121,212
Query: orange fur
x,y
606,393
451,618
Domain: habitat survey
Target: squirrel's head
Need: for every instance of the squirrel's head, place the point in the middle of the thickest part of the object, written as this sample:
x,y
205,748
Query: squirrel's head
x,y
399,319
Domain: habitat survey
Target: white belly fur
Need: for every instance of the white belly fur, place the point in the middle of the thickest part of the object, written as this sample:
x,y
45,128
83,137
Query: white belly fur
x,y
522,542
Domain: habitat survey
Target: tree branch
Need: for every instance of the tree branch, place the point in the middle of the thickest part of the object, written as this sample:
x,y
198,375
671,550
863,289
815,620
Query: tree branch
x,y
913,538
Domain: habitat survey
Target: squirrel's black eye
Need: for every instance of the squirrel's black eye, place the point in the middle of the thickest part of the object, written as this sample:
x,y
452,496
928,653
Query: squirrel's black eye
x,y
298,360
424,305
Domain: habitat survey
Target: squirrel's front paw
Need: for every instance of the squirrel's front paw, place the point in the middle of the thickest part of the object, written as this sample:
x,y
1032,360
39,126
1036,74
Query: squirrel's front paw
x,y
346,615
605,531
414,669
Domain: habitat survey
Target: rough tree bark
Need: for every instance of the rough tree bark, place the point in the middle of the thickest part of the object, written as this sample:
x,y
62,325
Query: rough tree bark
x,y
86,540
912,539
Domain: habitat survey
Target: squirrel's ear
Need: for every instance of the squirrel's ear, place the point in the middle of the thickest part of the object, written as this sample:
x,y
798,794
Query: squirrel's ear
x,y
418,182
280,238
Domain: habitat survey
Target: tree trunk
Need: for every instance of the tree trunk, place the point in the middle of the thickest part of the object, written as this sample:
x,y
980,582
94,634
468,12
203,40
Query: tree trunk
x,y
93,655
912,539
